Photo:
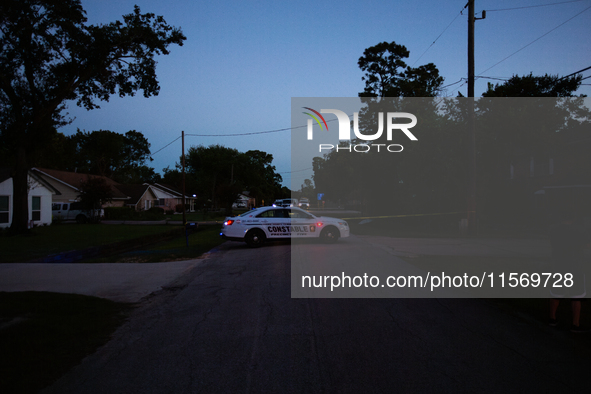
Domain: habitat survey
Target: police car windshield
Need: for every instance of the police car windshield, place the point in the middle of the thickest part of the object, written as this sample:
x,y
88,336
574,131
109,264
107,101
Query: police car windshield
x,y
247,212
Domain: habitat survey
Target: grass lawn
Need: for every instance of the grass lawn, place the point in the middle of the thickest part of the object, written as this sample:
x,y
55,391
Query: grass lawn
x,y
43,241
204,217
204,239
43,335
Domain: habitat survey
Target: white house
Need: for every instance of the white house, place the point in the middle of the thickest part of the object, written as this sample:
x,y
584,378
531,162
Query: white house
x,y
40,199
168,197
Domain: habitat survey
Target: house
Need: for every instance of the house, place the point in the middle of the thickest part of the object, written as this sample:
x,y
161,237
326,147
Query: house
x,y
140,197
40,199
245,201
69,185
168,197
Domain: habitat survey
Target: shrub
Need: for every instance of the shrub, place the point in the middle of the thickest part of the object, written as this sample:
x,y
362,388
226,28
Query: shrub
x,y
156,210
119,213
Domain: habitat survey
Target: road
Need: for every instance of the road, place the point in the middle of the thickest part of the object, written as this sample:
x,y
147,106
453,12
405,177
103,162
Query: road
x,y
230,325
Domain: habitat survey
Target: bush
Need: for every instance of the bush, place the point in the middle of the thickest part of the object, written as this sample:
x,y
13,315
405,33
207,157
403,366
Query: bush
x,y
119,213
154,213
156,210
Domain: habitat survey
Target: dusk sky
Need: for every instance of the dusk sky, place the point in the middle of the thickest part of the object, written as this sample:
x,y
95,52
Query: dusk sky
x,y
243,61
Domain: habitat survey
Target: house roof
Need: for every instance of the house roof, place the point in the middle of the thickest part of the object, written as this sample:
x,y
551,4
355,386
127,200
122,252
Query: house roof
x,y
169,189
6,173
75,180
135,192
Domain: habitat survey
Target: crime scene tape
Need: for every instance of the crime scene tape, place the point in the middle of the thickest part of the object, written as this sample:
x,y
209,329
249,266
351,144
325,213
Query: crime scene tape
x,y
401,216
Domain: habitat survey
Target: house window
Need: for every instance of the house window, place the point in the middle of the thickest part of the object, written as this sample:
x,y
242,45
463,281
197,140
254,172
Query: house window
x,y
4,209
36,208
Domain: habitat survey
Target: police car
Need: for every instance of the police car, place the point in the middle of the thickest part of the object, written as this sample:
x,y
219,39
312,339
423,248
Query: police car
x,y
258,225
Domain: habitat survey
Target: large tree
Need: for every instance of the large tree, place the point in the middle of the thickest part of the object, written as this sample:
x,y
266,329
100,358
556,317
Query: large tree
x,y
48,55
121,157
387,75
222,173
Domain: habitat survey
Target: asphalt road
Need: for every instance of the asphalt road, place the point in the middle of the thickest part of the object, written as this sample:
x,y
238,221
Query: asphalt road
x,y
230,325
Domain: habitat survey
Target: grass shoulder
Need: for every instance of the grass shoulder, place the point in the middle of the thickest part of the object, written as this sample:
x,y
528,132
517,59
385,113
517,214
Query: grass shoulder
x,y
43,335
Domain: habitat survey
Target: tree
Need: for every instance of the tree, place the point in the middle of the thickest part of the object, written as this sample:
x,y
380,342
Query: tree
x,y
121,157
535,86
94,192
531,124
387,75
222,173
48,54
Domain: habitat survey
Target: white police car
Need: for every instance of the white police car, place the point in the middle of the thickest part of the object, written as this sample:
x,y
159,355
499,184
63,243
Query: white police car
x,y
258,225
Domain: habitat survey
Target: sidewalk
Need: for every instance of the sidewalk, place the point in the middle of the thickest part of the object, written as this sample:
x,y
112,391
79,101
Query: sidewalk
x,y
120,282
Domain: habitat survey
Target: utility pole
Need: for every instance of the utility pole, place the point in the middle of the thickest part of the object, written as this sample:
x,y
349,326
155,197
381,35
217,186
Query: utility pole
x,y
471,217
471,20
183,166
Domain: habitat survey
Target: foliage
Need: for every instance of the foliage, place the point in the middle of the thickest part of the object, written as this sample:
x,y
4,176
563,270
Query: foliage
x,y
222,173
94,192
48,54
387,75
535,86
308,191
121,157
431,174
555,116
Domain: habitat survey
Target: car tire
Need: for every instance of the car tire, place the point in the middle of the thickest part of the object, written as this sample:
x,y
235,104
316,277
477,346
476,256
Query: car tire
x,y
80,219
255,238
330,235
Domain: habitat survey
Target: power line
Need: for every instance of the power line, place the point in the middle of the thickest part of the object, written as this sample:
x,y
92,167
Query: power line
x,y
444,30
535,6
291,172
537,39
576,72
237,134
167,145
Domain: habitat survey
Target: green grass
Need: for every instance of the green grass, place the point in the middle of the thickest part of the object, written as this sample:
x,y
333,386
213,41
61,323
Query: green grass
x,y
201,241
43,241
204,217
43,335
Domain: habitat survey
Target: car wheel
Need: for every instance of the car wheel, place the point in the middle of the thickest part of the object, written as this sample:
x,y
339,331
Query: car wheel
x,y
255,238
80,219
330,235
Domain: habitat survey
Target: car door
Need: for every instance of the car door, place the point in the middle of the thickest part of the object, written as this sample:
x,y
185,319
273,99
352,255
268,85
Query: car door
x,y
303,225
275,223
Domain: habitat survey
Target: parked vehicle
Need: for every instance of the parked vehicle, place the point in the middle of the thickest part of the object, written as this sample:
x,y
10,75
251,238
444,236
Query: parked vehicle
x,y
304,203
286,203
74,211
267,223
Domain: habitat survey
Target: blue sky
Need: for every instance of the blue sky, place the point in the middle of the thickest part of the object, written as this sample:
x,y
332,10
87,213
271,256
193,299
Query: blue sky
x,y
244,60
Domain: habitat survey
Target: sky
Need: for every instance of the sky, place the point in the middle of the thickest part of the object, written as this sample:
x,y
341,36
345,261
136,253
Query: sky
x,y
243,61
